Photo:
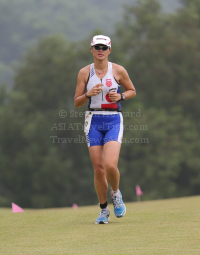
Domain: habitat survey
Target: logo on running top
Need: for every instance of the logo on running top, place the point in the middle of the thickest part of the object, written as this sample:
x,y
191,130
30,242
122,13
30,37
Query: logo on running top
x,y
108,98
108,82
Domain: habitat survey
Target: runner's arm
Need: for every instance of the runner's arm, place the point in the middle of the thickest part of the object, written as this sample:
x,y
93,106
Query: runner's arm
x,y
126,83
80,98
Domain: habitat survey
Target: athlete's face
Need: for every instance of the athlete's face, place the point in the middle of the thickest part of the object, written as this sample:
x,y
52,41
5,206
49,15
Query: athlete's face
x,y
99,51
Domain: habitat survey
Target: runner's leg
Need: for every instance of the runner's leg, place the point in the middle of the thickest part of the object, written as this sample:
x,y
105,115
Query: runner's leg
x,y
111,152
100,182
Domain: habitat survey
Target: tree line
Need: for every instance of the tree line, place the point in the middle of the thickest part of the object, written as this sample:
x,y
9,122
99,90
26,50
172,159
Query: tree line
x,y
23,23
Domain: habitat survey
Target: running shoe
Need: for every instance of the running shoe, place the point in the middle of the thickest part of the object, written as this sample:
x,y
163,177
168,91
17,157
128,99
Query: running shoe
x,y
119,206
104,216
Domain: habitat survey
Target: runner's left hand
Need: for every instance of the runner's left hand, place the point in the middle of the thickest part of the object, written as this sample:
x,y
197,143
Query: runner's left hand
x,y
114,96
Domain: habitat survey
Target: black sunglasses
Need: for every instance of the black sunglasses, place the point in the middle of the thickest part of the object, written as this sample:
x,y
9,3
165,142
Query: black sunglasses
x,y
97,47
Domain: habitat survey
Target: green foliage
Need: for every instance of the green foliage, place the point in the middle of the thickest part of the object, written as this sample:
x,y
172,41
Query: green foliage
x,y
42,168
23,23
161,54
165,49
51,66
160,153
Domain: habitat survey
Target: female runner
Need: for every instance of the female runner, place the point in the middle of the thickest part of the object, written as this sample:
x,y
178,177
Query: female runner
x,y
98,85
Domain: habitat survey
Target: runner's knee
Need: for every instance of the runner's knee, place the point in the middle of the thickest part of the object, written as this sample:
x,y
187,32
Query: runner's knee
x,y
99,171
111,168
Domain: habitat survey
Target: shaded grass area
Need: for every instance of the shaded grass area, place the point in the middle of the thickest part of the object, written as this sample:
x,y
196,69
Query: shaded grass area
x,y
155,227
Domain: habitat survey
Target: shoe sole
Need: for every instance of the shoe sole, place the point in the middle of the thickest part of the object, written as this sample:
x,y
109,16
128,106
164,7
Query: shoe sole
x,y
103,222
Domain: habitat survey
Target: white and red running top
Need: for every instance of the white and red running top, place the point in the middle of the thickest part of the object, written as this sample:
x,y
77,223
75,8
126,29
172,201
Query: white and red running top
x,y
102,100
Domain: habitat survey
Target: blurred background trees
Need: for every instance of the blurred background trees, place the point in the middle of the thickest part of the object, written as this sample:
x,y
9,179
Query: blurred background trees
x,y
44,161
23,23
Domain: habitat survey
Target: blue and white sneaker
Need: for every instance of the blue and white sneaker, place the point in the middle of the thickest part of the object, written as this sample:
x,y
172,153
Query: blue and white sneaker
x,y
104,216
119,206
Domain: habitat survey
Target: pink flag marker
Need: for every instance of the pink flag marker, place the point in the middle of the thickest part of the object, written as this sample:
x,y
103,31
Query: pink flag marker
x,y
75,206
16,208
138,190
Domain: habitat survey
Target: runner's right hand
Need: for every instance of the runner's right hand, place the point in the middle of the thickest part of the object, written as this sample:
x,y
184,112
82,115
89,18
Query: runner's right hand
x,y
95,90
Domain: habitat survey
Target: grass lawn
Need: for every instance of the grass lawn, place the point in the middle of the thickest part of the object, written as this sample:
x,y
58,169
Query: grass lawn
x,y
170,227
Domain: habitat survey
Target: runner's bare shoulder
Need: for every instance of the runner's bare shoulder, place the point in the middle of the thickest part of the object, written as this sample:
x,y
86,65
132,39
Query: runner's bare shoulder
x,y
117,68
84,73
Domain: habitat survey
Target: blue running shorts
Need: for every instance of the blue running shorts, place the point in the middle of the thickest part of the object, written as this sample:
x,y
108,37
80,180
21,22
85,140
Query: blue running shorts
x,y
103,127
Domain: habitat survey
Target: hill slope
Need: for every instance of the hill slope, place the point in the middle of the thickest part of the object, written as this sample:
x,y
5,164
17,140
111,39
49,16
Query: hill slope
x,y
158,227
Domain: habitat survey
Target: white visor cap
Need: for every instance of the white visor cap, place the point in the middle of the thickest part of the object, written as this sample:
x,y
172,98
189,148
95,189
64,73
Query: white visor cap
x,y
101,39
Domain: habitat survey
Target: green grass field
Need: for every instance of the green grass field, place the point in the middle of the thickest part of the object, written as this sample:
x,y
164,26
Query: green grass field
x,y
160,227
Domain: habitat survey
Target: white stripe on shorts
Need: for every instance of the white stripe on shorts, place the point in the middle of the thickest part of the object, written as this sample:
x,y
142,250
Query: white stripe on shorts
x,y
121,129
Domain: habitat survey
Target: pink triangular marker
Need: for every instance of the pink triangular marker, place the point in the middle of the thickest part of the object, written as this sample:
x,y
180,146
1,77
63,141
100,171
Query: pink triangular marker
x,y
16,208
75,206
138,191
